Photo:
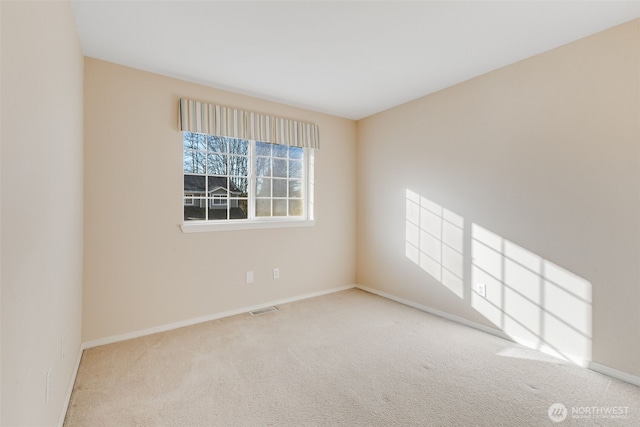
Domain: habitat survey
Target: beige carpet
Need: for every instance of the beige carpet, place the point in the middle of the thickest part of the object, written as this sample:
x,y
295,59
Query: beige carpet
x,y
344,359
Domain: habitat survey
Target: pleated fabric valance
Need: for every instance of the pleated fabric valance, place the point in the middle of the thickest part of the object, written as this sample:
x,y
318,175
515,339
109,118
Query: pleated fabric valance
x,y
211,119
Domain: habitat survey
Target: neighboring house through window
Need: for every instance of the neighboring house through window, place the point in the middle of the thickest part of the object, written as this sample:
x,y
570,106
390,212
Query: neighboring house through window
x,y
188,199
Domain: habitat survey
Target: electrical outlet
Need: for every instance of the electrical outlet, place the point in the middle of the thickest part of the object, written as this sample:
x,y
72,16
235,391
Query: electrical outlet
x,y
481,289
276,273
249,277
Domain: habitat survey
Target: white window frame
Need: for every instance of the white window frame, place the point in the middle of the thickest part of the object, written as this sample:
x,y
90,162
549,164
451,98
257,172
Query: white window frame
x,y
254,222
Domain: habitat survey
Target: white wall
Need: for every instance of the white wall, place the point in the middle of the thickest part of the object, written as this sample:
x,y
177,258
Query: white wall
x,y
141,271
538,167
42,221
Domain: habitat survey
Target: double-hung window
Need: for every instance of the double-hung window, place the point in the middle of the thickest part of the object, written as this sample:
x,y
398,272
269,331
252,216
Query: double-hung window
x,y
231,179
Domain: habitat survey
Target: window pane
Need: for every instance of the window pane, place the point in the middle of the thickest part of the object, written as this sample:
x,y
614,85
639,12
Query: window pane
x,y
263,187
295,169
218,185
217,143
263,166
263,149
239,209
295,188
188,162
194,184
279,208
194,161
295,152
216,164
280,168
195,212
280,150
239,165
279,188
263,207
218,208
295,207
238,146
239,187
195,141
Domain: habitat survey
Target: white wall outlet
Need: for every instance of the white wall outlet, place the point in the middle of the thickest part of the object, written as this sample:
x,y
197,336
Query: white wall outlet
x,y
47,391
276,273
481,289
249,277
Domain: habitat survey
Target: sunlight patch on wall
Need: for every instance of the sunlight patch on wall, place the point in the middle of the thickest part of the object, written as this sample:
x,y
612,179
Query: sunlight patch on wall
x,y
434,240
531,299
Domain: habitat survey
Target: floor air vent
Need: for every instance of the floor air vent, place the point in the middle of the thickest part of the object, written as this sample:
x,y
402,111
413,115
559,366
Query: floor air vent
x,y
263,311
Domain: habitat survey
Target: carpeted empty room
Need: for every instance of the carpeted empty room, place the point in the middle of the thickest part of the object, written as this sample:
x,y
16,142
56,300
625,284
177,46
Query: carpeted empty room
x,y
349,358
436,202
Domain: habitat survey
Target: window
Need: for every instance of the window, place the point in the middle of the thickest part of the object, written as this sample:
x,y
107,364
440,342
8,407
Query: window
x,y
236,180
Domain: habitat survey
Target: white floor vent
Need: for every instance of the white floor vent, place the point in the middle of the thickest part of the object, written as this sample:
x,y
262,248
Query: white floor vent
x,y
263,311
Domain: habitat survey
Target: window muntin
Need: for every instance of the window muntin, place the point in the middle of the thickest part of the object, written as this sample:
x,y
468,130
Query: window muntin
x,y
227,179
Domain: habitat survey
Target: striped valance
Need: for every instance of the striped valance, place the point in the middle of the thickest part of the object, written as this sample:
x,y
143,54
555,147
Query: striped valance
x,y
214,119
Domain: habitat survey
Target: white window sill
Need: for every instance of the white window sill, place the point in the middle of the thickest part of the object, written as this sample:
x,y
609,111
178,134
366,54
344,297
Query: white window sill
x,y
201,226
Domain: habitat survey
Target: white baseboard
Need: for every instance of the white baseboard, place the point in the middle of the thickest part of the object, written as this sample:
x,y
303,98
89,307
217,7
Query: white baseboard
x,y
611,372
72,382
596,367
207,318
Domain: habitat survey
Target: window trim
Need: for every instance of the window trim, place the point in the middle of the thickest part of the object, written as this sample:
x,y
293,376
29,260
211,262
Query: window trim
x,y
306,220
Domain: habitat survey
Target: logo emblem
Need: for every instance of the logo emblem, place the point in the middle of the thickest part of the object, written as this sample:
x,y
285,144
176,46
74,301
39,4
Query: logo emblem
x,y
557,412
